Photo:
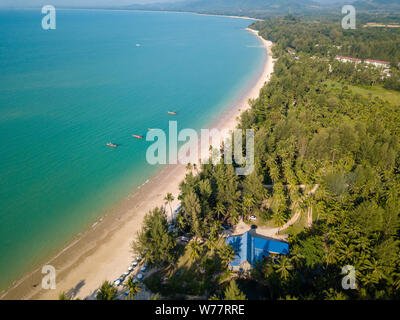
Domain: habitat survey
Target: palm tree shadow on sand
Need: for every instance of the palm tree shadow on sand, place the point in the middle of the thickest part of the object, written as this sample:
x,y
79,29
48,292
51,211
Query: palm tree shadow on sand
x,y
74,291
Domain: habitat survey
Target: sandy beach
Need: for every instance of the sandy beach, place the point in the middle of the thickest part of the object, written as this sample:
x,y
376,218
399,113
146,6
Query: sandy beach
x,y
103,252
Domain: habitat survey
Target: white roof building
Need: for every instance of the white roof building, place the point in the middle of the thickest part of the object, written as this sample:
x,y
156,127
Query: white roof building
x,y
377,63
348,59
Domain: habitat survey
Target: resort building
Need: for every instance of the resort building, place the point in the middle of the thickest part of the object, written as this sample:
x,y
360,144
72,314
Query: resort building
x,y
291,51
250,248
348,59
377,63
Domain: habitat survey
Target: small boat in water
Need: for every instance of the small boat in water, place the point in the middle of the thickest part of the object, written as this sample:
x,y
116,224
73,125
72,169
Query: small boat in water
x,y
112,145
172,113
137,136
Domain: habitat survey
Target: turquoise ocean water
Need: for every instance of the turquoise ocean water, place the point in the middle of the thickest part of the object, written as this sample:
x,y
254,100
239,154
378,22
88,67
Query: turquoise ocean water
x,y
65,93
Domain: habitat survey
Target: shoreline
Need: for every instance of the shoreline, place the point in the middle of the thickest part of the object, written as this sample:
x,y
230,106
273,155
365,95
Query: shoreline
x,y
103,251
139,10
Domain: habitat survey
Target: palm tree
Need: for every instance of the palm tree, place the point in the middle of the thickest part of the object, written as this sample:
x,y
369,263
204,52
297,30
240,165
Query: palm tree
x,y
133,287
296,201
375,272
274,173
227,254
63,296
283,267
297,259
211,244
189,167
322,193
168,200
248,204
181,221
303,209
346,253
213,236
330,255
106,292
397,283
155,297
279,218
193,208
232,292
194,249
220,210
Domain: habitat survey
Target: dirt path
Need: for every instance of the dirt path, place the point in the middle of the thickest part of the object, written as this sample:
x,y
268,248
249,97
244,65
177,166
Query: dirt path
x,y
273,232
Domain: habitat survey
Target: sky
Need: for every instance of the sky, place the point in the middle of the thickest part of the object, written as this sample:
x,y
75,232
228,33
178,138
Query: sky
x,y
73,3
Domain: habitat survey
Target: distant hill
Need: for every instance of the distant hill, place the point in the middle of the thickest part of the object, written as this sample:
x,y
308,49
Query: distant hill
x,y
235,6
266,8
245,4
382,5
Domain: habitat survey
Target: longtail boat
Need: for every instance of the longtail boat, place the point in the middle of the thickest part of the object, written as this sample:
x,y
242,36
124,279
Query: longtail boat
x,y
111,145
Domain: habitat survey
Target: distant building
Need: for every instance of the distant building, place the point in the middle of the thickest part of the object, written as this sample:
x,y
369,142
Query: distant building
x,y
250,248
291,51
377,63
348,59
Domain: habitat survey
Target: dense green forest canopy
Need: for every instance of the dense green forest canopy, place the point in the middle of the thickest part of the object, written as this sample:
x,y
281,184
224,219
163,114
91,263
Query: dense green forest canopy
x,y
316,132
326,37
